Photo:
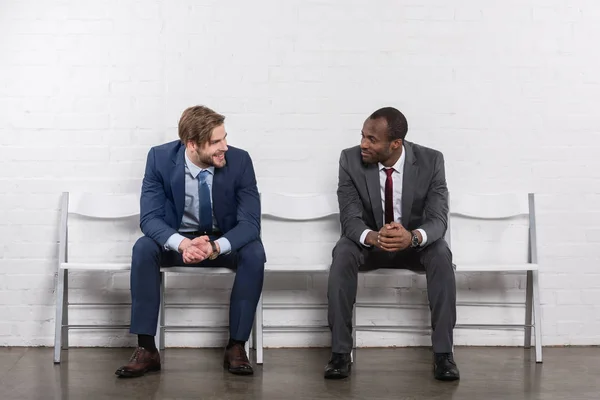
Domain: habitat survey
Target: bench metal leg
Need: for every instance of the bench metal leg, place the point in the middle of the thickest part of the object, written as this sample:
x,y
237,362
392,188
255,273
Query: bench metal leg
x,y
537,312
160,331
252,337
59,301
528,309
249,343
65,316
259,323
354,323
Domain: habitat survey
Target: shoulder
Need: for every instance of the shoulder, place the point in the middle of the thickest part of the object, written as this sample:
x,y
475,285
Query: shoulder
x,y
350,154
236,152
423,153
169,149
238,160
236,155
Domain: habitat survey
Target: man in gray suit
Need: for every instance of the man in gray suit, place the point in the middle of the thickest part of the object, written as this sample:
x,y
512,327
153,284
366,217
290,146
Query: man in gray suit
x,y
393,204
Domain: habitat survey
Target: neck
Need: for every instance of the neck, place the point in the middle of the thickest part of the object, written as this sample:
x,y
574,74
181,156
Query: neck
x,y
192,157
393,159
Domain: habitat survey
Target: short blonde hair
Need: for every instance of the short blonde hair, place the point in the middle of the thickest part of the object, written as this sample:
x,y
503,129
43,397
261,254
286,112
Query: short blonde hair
x,y
197,123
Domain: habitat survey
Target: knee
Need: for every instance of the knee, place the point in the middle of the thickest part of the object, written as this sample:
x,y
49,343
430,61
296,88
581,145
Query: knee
x,y
346,251
439,248
145,247
347,257
438,254
253,254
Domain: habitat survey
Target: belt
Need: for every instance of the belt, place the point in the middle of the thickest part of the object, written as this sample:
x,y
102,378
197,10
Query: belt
x,y
202,233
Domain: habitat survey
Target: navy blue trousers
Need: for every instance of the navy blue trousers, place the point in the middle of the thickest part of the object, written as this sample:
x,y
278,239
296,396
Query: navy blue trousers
x,y
147,258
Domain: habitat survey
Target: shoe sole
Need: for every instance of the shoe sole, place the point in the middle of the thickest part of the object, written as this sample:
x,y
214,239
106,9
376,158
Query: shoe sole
x,y
447,378
237,371
336,376
130,374
339,375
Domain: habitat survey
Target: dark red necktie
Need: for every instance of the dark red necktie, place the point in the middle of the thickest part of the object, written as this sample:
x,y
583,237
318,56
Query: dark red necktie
x,y
389,196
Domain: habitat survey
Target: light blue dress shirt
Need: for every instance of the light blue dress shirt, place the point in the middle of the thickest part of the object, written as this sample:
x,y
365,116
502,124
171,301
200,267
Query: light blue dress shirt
x,y
191,212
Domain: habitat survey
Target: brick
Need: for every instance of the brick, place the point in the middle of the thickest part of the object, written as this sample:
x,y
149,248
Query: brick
x,y
468,14
592,235
82,121
567,297
389,281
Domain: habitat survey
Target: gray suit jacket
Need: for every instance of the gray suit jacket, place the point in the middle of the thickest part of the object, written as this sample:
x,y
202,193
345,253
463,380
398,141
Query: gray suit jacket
x,y
424,193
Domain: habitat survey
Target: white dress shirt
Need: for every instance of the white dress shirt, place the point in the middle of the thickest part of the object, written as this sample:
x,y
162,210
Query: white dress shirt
x,y
397,176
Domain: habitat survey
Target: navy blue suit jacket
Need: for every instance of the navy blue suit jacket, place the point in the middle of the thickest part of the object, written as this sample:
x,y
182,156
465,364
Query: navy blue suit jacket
x,y
236,202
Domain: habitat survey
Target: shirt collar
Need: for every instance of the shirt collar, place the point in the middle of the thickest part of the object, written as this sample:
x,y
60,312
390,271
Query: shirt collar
x,y
194,169
399,165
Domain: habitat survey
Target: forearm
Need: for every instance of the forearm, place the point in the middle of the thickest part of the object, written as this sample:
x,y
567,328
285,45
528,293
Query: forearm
x,y
157,229
354,229
350,205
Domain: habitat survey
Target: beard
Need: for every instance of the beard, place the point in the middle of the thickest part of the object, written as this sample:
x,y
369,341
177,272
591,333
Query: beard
x,y
212,159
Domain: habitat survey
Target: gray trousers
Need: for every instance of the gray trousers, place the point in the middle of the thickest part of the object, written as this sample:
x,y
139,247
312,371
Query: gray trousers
x,y
435,259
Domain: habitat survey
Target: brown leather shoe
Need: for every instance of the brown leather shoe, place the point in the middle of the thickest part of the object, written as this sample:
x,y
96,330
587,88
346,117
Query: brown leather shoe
x,y
141,361
236,360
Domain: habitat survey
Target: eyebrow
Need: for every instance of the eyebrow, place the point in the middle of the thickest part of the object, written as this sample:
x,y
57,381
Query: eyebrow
x,y
215,141
368,136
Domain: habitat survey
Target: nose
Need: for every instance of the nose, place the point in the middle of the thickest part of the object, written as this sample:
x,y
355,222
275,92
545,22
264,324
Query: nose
x,y
224,147
364,144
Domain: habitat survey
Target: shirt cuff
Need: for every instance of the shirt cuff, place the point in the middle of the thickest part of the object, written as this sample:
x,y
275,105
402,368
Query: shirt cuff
x,y
174,241
363,237
224,245
424,235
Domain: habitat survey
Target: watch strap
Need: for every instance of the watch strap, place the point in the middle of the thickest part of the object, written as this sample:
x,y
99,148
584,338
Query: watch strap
x,y
215,252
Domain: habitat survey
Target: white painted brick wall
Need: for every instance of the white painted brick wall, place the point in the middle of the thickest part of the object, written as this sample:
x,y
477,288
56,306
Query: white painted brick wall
x,y
507,91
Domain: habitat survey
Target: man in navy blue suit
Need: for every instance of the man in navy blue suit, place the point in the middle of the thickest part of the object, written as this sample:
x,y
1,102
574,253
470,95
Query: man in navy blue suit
x,y
199,207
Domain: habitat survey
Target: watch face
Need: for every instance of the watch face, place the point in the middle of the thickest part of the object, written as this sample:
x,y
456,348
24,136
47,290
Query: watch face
x,y
415,240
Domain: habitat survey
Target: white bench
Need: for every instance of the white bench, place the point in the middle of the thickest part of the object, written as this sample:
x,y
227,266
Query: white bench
x,y
480,207
108,207
297,209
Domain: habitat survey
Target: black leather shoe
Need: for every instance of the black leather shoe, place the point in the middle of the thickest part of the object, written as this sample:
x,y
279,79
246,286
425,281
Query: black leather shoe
x,y
338,366
444,367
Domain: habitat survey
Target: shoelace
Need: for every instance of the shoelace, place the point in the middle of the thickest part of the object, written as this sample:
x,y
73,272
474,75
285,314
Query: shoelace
x,y
448,357
136,355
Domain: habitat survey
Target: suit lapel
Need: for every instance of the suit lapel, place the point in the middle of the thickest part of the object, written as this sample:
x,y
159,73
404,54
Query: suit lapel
x,y
409,182
374,189
178,183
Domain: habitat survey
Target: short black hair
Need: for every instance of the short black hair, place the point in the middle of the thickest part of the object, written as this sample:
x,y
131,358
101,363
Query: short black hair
x,y
396,122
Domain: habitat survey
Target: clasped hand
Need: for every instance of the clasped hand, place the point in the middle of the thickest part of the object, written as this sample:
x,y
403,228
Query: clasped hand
x,y
195,250
393,237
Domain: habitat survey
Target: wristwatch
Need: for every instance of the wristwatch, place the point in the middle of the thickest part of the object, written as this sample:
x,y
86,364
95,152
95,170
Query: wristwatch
x,y
215,252
414,240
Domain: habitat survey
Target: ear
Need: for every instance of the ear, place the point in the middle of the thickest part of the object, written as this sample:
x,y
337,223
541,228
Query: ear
x,y
190,145
396,144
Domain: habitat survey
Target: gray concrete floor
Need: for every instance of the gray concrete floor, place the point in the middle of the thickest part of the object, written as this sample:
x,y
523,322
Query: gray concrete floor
x,y
406,373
